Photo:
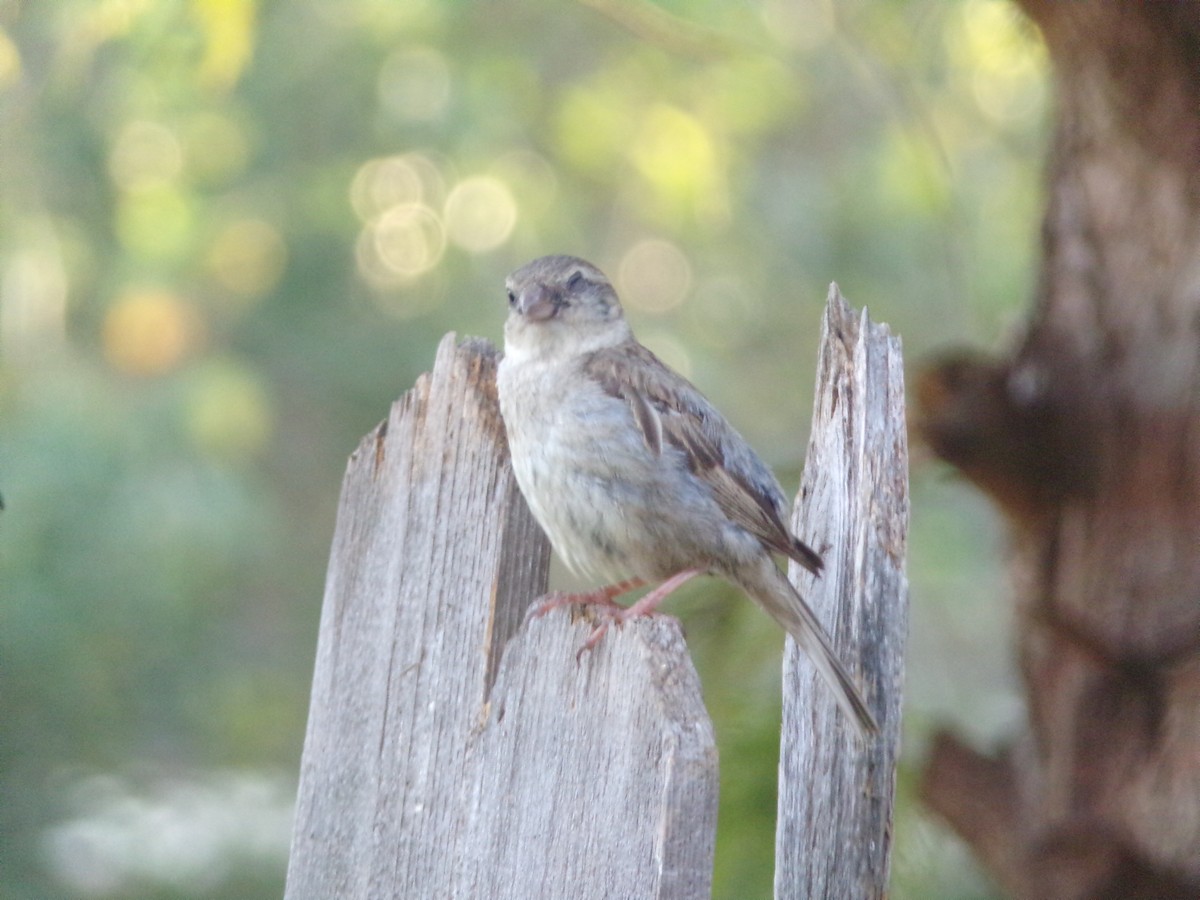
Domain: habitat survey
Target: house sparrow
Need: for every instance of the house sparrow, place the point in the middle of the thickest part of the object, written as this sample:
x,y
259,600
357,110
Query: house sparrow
x,y
632,473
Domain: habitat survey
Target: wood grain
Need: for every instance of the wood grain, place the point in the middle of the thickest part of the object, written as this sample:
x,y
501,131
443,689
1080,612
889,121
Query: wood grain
x,y
446,758
833,835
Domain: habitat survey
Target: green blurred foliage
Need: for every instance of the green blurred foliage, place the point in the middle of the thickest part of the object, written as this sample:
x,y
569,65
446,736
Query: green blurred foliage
x,y
233,231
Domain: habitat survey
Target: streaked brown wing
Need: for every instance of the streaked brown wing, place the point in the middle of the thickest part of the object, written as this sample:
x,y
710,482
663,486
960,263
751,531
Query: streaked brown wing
x,y
670,411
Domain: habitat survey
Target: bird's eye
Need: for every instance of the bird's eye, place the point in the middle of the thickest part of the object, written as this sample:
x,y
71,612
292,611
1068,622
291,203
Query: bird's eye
x,y
512,299
574,280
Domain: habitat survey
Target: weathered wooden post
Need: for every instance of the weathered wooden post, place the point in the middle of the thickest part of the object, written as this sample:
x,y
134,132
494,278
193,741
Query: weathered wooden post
x,y
432,766
452,752
833,834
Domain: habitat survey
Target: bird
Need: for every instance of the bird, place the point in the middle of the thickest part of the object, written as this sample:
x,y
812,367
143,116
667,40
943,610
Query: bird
x,y
633,474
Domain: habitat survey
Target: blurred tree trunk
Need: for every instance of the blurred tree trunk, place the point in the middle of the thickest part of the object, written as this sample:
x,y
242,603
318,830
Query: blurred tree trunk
x,y
1088,438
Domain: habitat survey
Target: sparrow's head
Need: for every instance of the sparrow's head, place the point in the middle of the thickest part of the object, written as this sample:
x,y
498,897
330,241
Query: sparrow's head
x,y
561,305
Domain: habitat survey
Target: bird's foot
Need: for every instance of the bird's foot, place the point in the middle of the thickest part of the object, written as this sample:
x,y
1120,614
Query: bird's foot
x,y
603,597
611,612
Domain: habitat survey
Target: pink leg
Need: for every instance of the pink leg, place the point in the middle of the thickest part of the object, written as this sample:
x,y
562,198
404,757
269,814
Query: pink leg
x,y
644,607
650,602
599,597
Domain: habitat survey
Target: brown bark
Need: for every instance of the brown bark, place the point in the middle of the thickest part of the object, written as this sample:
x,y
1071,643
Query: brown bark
x,y
1088,437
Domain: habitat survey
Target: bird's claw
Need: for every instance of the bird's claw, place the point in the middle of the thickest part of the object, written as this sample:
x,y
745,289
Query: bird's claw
x,y
593,639
603,601
555,599
609,615
550,602
605,609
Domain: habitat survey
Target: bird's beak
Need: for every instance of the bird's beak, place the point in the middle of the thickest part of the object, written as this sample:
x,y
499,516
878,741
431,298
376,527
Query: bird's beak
x,y
537,303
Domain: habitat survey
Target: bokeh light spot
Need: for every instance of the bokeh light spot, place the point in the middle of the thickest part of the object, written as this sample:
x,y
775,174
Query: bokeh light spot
x,y
594,125
410,239
228,413
247,257
229,32
1003,60
10,60
145,155
480,213
33,297
654,275
386,182
402,244
155,223
149,331
677,156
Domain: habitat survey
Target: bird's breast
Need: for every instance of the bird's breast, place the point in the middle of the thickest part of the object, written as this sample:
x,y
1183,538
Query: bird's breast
x,y
580,465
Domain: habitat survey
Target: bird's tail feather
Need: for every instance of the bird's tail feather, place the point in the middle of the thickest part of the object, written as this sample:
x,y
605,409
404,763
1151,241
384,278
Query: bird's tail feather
x,y
775,594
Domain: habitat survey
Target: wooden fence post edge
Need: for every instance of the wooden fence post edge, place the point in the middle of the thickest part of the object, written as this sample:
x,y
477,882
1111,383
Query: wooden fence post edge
x,y
452,750
833,833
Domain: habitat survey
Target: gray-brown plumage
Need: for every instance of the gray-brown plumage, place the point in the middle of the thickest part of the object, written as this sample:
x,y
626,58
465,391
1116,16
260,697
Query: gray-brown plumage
x,y
631,472
665,407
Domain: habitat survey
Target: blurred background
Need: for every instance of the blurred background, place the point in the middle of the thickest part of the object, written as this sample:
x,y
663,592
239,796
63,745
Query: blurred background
x,y
232,233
